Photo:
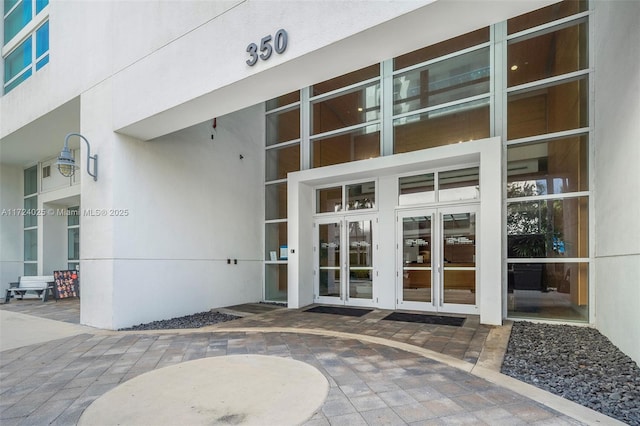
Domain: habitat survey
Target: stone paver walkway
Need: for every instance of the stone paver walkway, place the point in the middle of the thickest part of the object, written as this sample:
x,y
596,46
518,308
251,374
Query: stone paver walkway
x,y
370,383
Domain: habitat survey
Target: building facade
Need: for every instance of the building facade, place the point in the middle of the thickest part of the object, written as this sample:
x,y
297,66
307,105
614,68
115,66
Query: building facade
x,y
440,156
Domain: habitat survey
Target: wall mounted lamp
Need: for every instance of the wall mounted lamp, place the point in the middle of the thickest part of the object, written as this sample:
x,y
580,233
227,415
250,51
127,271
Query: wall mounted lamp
x,y
67,164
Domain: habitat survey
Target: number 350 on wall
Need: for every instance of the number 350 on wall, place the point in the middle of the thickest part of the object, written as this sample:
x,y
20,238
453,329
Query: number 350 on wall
x,y
268,45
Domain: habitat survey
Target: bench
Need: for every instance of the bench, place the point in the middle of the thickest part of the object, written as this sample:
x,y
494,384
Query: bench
x,y
39,284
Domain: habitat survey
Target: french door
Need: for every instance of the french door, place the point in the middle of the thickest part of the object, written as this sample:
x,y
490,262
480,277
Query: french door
x,y
345,257
436,258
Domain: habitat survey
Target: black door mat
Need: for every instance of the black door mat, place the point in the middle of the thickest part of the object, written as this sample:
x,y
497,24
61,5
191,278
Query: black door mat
x,y
425,319
339,310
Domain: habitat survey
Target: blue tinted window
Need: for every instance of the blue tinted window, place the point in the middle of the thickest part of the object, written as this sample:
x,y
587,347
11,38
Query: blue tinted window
x,y
42,62
41,4
8,4
42,40
17,19
18,60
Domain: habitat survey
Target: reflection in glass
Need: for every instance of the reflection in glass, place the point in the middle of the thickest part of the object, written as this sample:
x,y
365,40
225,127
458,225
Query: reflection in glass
x,y
456,78
459,258
549,109
360,259
283,126
547,55
459,123
548,290
329,200
280,161
30,269
463,184
359,144
329,259
416,256
361,196
276,201
357,106
275,282
275,237
346,80
551,167
443,48
548,228
417,189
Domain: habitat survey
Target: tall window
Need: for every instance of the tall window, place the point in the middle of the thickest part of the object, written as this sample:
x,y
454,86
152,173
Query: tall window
x,y
73,238
281,157
30,232
547,89
26,40
451,92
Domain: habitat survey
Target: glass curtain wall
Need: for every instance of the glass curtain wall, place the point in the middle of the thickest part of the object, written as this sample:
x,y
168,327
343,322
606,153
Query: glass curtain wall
x,y
450,93
30,231
282,156
547,132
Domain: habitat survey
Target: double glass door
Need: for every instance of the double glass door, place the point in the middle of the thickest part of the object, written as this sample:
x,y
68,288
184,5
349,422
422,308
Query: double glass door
x,y
345,250
437,259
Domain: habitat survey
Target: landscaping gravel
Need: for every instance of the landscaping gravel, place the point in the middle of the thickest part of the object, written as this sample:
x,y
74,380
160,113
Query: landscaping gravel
x,y
198,320
577,363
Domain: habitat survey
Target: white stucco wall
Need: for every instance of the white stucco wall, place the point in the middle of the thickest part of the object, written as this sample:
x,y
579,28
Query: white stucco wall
x,y
183,204
11,241
616,174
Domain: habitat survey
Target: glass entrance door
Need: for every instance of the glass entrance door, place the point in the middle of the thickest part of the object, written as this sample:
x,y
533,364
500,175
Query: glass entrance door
x,y
437,259
345,260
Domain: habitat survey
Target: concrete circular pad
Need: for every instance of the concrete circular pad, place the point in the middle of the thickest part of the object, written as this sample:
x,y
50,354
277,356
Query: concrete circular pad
x,y
235,389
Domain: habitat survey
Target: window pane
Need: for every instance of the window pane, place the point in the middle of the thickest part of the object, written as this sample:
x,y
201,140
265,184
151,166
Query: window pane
x,y
361,196
546,14
73,216
40,4
549,290
548,55
42,40
417,189
445,81
549,109
443,48
280,161
460,123
461,184
357,145
18,60
15,83
42,62
30,205
552,167
346,80
31,244
329,200
283,100
356,106
275,238
276,201
8,4
17,19
283,126
73,244
30,269
275,282
31,180
548,228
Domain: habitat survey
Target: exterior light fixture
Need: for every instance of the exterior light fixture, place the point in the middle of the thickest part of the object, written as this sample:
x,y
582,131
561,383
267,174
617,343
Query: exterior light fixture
x,y
67,164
